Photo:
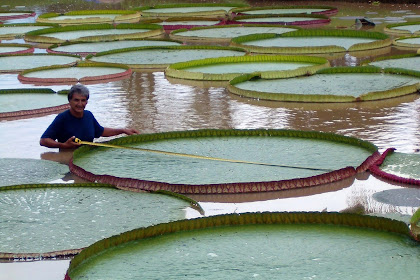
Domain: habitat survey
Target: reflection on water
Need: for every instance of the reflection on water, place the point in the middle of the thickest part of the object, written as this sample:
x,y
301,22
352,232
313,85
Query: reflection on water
x,y
151,103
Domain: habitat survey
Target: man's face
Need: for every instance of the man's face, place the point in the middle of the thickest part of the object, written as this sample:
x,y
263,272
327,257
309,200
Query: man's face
x,y
78,103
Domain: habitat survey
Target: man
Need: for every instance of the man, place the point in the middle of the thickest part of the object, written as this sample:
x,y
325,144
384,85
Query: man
x,y
77,122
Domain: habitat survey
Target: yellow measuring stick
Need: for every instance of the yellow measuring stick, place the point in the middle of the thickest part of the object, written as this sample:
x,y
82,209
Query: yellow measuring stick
x,y
77,140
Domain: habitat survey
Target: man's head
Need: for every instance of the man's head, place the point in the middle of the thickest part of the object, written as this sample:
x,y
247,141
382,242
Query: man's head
x,y
79,89
78,98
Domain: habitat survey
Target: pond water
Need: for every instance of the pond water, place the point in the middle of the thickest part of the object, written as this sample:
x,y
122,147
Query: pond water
x,y
151,103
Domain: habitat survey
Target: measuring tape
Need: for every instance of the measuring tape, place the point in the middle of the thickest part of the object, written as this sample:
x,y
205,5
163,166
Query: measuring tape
x,y
77,140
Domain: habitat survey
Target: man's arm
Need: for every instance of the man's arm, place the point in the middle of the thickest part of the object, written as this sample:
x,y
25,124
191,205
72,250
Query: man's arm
x,y
116,131
51,143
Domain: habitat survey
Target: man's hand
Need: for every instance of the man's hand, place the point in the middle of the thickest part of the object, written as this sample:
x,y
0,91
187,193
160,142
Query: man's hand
x,y
70,143
108,131
130,131
51,143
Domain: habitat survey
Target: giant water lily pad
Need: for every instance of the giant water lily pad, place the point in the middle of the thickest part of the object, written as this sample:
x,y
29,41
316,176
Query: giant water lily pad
x,y
179,23
8,31
408,42
42,219
10,49
218,161
409,62
313,41
281,19
28,102
85,72
256,245
93,33
161,57
90,17
267,10
176,10
227,32
15,171
227,68
8,15
403,29
95,47
402,165
345,84
15,63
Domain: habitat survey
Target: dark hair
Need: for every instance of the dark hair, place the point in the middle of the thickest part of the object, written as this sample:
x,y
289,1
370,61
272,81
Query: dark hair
x,y
80,89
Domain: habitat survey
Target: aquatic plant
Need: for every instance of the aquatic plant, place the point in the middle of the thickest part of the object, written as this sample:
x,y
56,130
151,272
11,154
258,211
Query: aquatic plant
x,y
47,35
300,9
92,16
224,34
181,70
282,19
237,222
403,29
191,9
60,205
124,71
158,57
12,48
380,40
31,112
319,176
408,87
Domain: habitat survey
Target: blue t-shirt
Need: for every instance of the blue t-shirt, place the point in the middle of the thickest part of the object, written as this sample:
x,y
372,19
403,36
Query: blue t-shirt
x,y
65,125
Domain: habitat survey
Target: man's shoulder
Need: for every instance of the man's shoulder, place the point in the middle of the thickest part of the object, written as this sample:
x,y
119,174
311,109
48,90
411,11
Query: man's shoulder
x,y
63,115
88,113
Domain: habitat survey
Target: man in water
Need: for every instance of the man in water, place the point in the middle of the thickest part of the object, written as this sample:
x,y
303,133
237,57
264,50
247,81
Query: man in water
x,y
77,122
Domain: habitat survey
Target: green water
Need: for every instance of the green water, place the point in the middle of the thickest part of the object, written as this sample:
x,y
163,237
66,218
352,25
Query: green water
x,y
277,19
261,252
247,67
185,170
72,35
231,32
49,219
401,164
75,72
14,63
411,63
29,101
331,84
283,11
412,28
106,46
311,41
163,56
14,171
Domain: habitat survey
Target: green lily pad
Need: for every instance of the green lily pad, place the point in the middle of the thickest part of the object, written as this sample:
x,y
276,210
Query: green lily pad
x,y
161,57
402,165
15,171
22,62
247,250
44,219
